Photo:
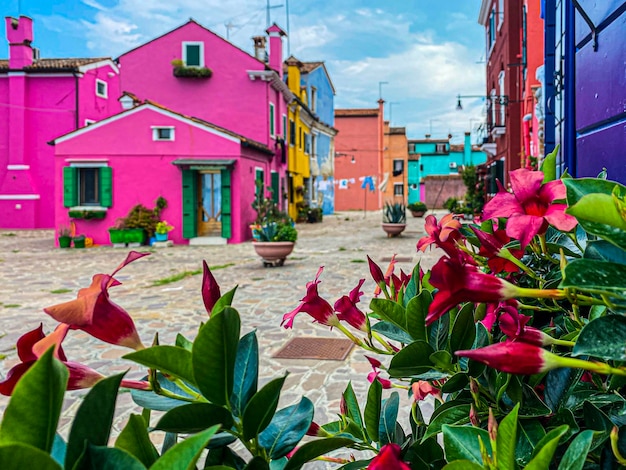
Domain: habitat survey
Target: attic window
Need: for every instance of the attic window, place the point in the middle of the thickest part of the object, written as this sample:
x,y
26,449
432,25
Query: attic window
x,y
193,54
101,88
163,133
440,148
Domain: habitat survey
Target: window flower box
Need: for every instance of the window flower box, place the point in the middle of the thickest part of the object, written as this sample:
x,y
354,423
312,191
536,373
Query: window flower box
x,y
182,71
87,214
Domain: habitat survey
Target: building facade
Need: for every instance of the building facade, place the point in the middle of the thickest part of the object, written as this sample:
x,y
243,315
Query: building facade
x,y
395,164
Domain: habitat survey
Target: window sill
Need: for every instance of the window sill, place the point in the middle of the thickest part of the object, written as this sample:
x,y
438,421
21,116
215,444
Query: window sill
x,y
87,212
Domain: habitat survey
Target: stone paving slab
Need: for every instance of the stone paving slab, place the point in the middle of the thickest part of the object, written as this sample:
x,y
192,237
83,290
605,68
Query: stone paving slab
x,y
32,270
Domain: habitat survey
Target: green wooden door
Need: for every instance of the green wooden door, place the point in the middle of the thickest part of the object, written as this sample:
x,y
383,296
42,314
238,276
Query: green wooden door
x,y
226,205
190,204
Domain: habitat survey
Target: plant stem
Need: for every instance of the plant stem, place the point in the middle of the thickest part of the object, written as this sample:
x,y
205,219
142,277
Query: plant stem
x,y
383,342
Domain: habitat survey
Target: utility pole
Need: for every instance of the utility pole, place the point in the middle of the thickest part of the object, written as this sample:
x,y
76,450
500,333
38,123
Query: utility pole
x,y
228,26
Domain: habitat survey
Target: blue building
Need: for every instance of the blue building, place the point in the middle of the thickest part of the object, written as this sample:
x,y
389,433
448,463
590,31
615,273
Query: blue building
x,y
585,89
320,96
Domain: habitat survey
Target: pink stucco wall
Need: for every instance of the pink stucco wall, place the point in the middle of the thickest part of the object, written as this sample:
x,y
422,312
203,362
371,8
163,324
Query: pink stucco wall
x,y
229,98
42,107
143,169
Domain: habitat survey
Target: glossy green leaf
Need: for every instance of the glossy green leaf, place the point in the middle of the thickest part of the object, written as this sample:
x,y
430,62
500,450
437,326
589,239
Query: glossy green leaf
x,y
416,311
388,417
314,449
261,407
135,440
214,354
107,458
453,414
604,338
614,235
287,428
605,251
412,360
171,360
442,360
93,419
595,418
548,165
574,457
392,331
224,456
463,465
542,459
257,463
455,383
424,454
599,208
412,288
462,443
530,432
246,372
23,456
560,384
226,300
438,332
580,187
183,342
32,415
463,330
353,410
152,401
390,311
596,276
59,447
507,440
185,454
195,417
371,414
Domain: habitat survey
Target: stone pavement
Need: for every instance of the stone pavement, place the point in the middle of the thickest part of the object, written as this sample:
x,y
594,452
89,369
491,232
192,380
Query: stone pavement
x,y
35,275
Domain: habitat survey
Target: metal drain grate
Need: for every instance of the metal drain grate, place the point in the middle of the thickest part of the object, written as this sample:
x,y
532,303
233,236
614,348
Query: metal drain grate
x,y
316,348
399,259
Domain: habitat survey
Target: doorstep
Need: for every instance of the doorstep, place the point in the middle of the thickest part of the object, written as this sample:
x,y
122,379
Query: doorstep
x,y
200,241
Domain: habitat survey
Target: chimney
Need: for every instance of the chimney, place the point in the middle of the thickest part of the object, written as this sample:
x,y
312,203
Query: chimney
x,y
427,136
467,149
259,48
276,48
20,37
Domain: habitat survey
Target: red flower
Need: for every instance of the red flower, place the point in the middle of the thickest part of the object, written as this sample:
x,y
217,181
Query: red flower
x,y
459,283
314,305
491,246
210,288
514,357
444,234
421,389
348,311
530,207
388,458
375,376
93,312
513,325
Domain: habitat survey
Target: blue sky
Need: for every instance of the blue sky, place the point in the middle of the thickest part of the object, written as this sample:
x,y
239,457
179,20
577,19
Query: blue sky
x,y
427,50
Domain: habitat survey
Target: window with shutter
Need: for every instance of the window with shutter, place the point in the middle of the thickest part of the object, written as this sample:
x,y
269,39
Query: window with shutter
x,y
70,193
275,188
193,54
190,204
226,205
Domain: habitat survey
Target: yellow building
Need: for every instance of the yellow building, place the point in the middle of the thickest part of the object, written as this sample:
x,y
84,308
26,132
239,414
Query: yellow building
x,y
395,164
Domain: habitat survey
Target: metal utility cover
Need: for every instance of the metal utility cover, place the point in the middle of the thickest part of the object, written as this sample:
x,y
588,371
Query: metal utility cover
x,y
331,349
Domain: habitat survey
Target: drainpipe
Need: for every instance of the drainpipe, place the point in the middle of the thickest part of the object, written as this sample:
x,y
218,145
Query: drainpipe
x,y
76,101
381,124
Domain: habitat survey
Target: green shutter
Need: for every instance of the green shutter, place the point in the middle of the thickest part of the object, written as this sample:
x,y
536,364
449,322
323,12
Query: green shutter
x,y
193,55
260,176
275,188
106,186
226,205
272,121
190,204
70,186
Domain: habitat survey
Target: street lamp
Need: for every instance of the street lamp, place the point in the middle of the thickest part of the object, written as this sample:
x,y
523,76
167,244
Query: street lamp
x,y
459,106
502,100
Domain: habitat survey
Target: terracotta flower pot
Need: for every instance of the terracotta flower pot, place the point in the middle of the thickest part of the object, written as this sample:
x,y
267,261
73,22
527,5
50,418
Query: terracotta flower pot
x,y
273,252
393,230
418,213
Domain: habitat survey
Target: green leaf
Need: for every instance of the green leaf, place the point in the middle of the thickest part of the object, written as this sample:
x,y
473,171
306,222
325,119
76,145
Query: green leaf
x,y
452,414
185,454
214,353
596,276
226,300
614,235
560,384
605,251
224,456
412,360
246,372
391,331
59,447
416,311
579,448
314,449
442,360
183,342
151,401
388,417
507,439
172,360
93,419
604,338
455,383
134,439
261,407
599,208
463,331
32,415
462,442
541,459
463,465
257,463
353,411
287,428
372,409
580,187
548,166
390,311
106,458
438,332
412,288
23,456
195,417
530,434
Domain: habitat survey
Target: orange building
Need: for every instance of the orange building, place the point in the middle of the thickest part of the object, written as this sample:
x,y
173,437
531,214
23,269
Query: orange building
x,y
395,164
359,158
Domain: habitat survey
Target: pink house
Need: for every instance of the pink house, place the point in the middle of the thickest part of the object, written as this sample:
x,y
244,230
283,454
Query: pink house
x,y
202,120
41,99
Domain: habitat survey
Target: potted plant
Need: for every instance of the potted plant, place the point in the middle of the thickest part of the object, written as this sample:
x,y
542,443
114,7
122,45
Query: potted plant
x,y
394,218
182,71
161,230
418,209
64,237
79,241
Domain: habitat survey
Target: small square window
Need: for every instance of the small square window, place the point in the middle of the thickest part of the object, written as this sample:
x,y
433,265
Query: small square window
x,y
398,167
193,54
440,148
398,189
163,133
101,88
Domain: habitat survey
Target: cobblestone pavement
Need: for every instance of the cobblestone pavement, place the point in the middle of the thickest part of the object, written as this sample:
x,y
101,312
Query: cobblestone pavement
x,y
35,275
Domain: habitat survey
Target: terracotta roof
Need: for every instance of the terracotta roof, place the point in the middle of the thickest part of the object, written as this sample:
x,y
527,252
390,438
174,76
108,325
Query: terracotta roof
x,y
310,66
45,65
356,112
456,148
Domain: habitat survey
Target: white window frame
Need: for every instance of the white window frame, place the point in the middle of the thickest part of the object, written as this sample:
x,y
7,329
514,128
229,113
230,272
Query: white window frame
x,y
85,165
272,116
155,133
184,52
396,185
106,88
313,98
440,148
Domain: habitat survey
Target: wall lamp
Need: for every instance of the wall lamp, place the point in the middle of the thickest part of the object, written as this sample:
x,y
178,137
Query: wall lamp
x,y
502,100
339,154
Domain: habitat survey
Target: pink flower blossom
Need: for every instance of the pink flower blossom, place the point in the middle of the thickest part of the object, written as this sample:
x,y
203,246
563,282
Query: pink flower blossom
x,y
388,458
421,389
445,234
347,310
514,357
314,305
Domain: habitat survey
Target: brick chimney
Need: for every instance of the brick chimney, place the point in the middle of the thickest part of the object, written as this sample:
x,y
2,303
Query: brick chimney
x,y
20,36
276,48
259,48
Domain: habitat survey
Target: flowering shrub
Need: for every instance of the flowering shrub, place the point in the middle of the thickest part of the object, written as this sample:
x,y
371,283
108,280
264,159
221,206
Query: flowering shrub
x,y
163,227
517,335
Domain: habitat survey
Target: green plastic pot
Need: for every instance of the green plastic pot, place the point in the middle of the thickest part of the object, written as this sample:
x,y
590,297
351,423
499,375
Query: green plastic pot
x,y
65,242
